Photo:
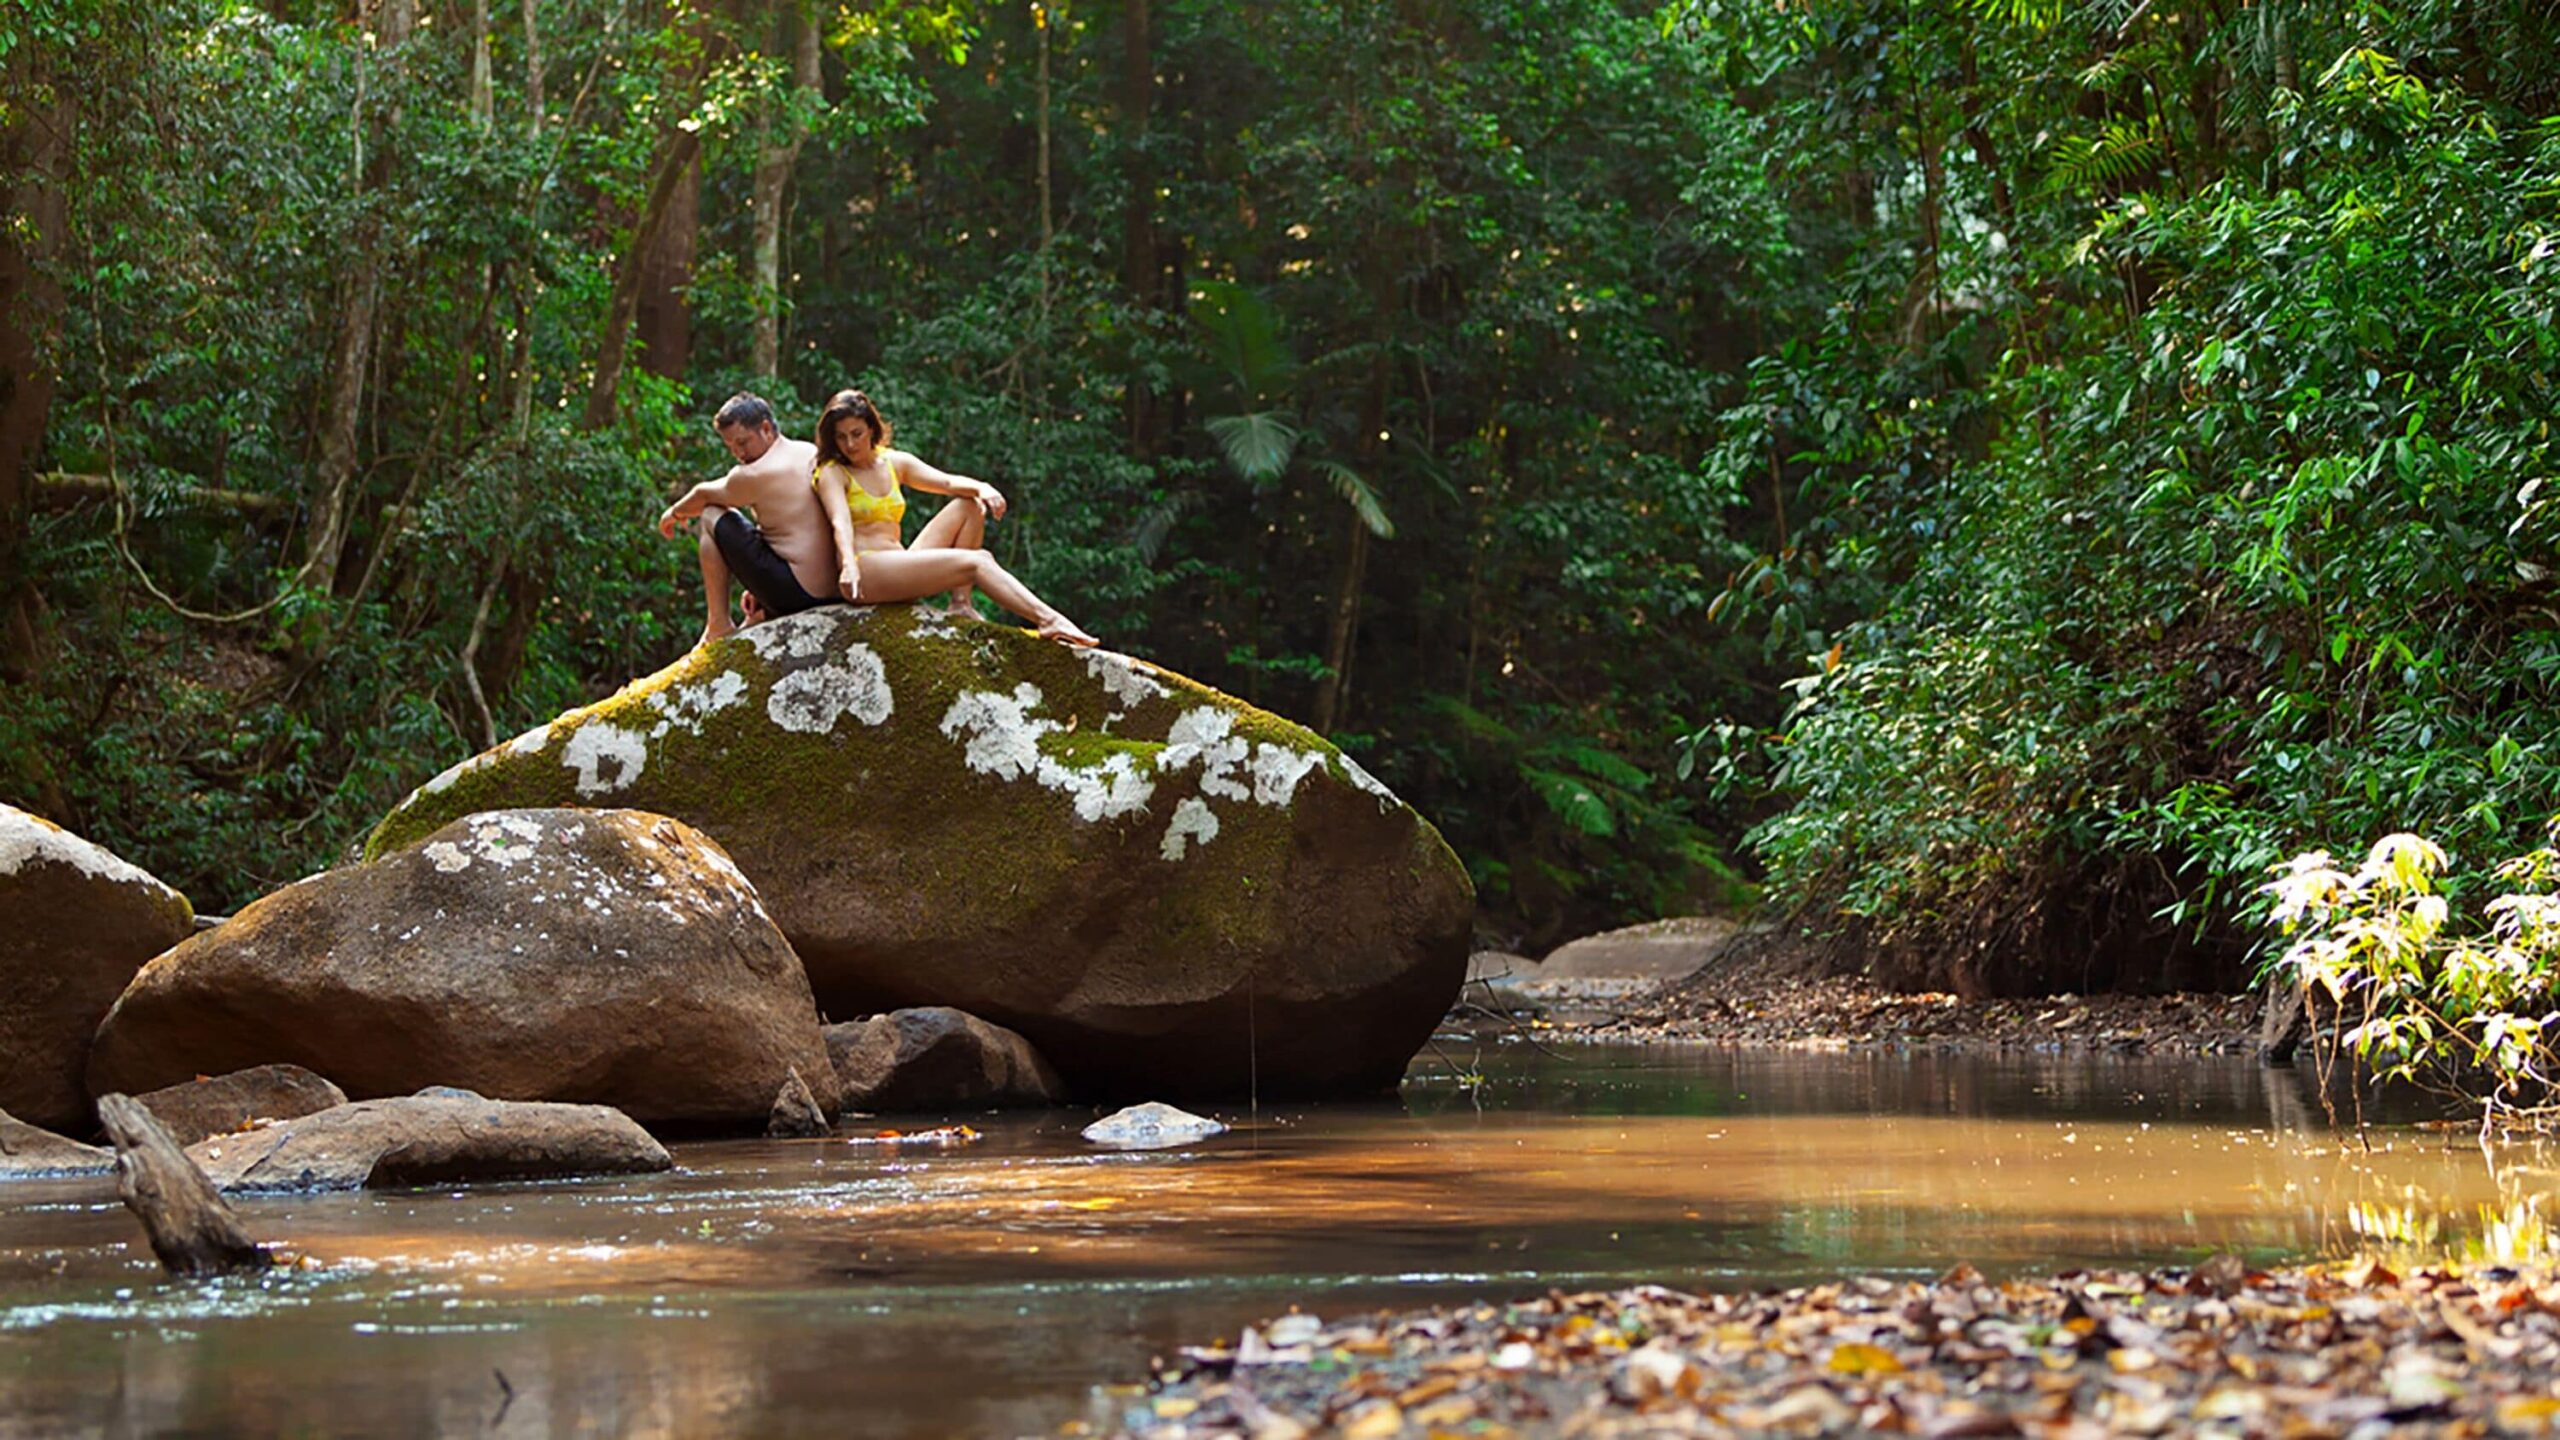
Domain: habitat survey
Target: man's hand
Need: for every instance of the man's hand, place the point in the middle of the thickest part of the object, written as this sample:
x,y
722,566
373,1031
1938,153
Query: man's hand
x,y
672,517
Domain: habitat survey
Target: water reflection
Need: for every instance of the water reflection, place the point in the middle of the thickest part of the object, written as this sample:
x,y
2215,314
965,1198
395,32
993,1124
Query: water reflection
x,y
791,1287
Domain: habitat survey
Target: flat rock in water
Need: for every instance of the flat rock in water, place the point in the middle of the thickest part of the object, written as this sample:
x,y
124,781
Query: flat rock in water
x,y
1662,950
937,1058
27,1153
431,1140
1154,883
225,1103
80,923
1151,1126
604,957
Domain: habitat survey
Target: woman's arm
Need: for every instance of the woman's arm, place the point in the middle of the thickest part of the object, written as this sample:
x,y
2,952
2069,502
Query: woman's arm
x,y
840,525
918,475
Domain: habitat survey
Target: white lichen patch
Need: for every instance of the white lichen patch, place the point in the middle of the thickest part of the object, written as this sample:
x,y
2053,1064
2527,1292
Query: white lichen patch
x,y
1360,779
1192,820
1121,678
687,706
812,701
1002,737
1277,769
1108,791
447,857
1206,737
531,741
27,839
606,757
791,637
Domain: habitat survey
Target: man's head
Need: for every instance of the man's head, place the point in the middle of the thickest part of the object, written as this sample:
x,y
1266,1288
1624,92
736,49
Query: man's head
x,y
746,426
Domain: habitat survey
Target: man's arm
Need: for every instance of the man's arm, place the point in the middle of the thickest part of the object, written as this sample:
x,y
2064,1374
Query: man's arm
x,y
710,492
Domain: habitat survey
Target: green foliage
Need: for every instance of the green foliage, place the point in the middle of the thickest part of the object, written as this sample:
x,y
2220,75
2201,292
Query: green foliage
x,y
2425,994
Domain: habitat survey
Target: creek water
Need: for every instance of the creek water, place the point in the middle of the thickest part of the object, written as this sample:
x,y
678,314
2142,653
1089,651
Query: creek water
x,y
835,1288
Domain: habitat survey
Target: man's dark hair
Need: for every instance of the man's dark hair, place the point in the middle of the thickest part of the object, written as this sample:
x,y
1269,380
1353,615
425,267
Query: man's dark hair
x,y
744,411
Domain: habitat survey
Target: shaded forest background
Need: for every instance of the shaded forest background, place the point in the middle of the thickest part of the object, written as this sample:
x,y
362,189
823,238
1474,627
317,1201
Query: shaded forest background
x,y
1988,476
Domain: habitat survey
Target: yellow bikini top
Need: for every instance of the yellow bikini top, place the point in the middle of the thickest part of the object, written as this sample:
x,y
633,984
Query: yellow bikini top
x,y
867,508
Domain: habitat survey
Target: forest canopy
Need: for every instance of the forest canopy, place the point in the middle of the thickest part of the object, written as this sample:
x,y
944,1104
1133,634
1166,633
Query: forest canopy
x,y
1986,477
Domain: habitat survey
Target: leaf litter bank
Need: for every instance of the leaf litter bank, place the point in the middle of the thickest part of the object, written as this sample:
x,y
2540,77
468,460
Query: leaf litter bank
x,y
2352,1350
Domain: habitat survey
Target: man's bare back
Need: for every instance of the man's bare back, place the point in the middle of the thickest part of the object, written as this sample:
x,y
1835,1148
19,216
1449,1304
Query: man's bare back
x,y
787,555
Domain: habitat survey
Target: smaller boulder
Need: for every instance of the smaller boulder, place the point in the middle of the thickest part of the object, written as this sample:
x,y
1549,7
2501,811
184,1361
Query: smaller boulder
x,y
225,1103
27,1153
1151,1126
81,922
431,1140
796,1115
936,1058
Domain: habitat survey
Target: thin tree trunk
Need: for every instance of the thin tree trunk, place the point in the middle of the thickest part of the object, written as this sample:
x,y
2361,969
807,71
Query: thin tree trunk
x,y
37,148
351,353
1048,224
1334,690
533,68
773,177
483,102
1141,271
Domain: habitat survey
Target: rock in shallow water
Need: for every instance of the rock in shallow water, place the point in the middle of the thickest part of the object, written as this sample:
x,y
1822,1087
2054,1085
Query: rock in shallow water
x,y
230,1102
27,1153
431,1140
606,956
937,1058
1151,1126
80,922
1161,887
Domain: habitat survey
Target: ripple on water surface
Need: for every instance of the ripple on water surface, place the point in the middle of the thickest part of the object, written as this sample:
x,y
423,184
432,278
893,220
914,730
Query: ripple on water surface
x,y
823,1287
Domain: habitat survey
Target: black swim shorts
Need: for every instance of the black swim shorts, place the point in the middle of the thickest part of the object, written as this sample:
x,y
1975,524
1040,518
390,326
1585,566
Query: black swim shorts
x,y
765,573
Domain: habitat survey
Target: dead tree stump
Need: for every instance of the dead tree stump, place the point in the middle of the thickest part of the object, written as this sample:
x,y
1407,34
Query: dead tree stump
x,y
192,1228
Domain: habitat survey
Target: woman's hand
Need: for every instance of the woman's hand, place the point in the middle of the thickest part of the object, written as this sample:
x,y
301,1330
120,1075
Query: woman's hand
x,y
990,499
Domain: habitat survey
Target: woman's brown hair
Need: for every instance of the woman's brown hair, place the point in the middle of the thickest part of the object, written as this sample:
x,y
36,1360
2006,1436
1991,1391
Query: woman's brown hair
x,y
849,405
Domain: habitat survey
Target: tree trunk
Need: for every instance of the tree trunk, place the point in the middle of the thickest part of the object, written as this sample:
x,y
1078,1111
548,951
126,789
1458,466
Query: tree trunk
x,y
1141,271
1335,688
191,1227
664,317
36,153
483,102
677,151
773,178
351,354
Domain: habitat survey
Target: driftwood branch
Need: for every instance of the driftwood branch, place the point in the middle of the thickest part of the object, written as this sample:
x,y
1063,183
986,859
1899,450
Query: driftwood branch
x,y
192,1228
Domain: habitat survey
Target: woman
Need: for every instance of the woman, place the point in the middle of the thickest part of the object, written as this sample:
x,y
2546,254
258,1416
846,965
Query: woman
x,y
859,478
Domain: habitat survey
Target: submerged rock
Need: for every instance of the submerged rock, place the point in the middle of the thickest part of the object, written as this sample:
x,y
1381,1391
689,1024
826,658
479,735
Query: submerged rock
x,y
936,1058
1160,886
431,1140
604,956
27,1152
1151,1126
230,1102
80,922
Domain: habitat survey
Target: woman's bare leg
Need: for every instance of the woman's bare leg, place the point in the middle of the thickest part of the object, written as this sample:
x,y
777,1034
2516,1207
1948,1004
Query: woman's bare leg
x,y
716,621
961,525
890,575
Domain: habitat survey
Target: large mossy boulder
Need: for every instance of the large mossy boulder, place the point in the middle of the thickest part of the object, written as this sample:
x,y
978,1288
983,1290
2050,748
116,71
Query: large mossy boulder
x,y
79,923
1167,890
607,957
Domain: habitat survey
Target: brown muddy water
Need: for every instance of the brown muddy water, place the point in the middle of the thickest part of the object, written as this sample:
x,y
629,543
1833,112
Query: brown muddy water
x,y
838,1289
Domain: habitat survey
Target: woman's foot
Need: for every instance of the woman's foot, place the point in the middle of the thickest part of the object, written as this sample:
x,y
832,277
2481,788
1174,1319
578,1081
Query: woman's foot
x,y
1065,632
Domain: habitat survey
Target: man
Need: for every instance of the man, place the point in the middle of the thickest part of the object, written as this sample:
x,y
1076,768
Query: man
x,y
785,556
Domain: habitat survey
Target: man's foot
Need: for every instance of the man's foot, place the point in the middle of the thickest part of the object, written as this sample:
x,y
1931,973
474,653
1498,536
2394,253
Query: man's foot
x,y
1066,632
720,629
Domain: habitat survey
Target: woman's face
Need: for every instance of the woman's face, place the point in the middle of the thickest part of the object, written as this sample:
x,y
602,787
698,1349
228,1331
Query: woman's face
x,y
853,434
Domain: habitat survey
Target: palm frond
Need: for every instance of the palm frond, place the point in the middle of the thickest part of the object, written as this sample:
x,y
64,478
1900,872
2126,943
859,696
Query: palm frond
x,y
1259,445
1155,524
1356,491
1244,337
